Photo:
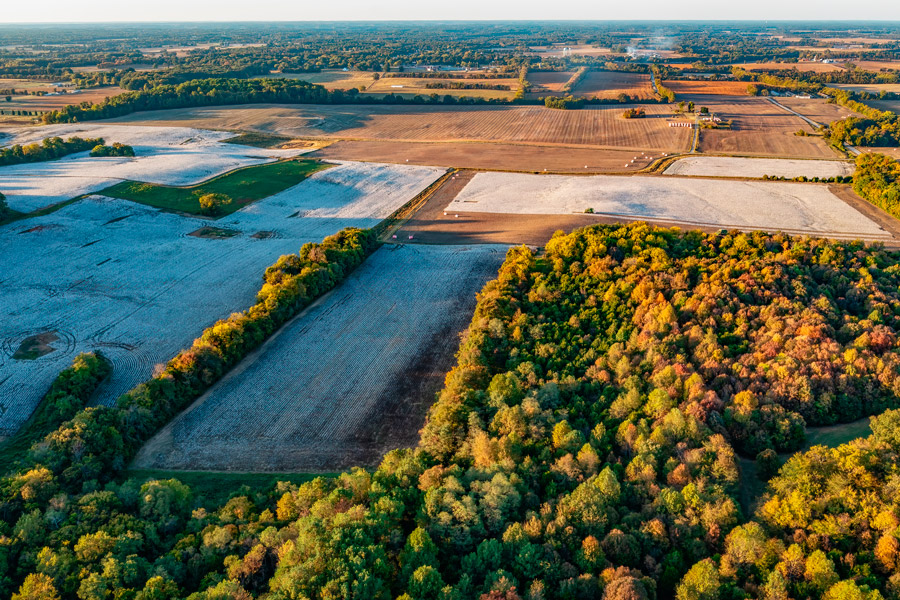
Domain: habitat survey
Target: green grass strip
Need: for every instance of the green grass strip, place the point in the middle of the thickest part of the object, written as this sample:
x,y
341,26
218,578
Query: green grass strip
x,y
243,186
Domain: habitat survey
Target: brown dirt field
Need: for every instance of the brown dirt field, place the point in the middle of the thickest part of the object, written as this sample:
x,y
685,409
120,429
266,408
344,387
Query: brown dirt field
x,y
891,105
759,128
48,103
609,84
815,67
36,346
549,81
702,88
488,156
877,65
413,86
589,127
817,109
872,88
213,233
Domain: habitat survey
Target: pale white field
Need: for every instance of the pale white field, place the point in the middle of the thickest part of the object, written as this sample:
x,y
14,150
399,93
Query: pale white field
x,y
799,208
128,280
732,166
332,389
165,155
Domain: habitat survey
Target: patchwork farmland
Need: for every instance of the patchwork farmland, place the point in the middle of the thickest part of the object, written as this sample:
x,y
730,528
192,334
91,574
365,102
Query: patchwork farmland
x,y
347,380
594,126
139,284
164,155
760,127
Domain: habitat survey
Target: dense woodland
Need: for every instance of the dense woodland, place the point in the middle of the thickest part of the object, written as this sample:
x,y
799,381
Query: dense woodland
x,y
585,446
877,179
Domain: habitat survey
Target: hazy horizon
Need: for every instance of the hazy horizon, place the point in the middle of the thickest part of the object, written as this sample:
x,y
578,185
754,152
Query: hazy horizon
x,y
106,11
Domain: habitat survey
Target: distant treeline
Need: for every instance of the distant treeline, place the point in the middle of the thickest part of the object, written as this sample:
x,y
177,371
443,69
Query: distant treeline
x,y
50,149
463,85
219,92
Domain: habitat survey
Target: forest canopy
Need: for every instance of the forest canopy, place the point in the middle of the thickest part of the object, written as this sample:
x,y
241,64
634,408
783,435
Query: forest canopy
x,y
586,445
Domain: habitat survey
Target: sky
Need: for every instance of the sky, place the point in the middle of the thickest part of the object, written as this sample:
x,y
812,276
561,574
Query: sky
x,y
66,11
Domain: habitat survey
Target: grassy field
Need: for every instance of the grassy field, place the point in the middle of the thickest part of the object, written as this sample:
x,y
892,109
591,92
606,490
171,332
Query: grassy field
x,y
243,186
259,140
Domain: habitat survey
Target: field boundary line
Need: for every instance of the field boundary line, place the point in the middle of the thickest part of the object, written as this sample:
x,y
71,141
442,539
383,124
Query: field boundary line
x,y
400,216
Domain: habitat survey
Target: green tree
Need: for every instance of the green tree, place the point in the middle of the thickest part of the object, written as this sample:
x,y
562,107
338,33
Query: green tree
x,y
700,583
37,586
212,204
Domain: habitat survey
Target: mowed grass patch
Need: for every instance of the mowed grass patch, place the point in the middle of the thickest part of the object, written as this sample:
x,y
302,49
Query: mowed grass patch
x,y
214,488
243,186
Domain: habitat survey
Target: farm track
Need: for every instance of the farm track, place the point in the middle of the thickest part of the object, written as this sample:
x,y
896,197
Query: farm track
x,y
344,382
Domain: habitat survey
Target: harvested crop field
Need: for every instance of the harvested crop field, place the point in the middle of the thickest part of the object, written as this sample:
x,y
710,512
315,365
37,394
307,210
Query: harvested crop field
x,y
548,81
165,156
729,166
348,380
891,105
609,84
871,88
414,86
489,156
132,282
759,127
684,89
330,79
770,206
47,103
593,126
817,109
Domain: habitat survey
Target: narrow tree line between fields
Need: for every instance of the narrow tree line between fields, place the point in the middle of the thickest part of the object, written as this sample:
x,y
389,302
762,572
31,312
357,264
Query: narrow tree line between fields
x,y
49,149
585,445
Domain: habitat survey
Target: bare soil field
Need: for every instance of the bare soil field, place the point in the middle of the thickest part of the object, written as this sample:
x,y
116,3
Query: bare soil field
x,y
759,128
135,284
609,84
490,156
817,109
796,208
802,66
877,65
346,381
48,103
590,127
871,88
891,105
730,166
331,79
684,89
543,82
412,86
